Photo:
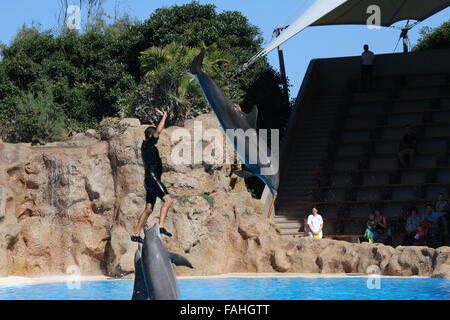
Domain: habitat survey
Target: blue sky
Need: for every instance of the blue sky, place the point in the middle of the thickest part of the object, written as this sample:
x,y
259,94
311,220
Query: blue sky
x,y
315,42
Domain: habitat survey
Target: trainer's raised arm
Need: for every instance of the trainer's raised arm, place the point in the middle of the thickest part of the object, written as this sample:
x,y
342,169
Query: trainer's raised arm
x,y
160,126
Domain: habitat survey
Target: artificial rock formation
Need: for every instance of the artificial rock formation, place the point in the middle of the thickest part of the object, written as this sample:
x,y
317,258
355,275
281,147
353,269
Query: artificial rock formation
x,y
56,207
76,203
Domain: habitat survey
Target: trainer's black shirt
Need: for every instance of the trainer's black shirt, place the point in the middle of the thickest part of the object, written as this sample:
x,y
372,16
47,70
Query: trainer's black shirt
x,y
150,156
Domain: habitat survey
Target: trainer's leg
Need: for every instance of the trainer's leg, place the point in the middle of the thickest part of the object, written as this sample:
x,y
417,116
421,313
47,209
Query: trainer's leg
x,y
164,209
143,219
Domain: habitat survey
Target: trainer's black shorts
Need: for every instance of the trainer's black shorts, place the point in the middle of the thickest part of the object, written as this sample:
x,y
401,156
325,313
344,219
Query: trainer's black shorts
x,y
155,188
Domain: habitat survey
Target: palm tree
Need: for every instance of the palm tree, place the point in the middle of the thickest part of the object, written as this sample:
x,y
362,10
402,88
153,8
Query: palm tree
x,y
167,76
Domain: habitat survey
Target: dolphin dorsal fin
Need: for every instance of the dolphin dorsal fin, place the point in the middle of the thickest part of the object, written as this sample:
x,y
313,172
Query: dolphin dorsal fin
x,y
252,117
179,260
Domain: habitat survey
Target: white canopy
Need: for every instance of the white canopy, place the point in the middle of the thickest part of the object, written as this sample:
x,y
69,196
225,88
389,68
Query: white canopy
x,y
334,12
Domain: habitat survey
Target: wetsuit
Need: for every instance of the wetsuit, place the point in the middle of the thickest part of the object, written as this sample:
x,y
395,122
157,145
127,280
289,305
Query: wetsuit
x,y
153,171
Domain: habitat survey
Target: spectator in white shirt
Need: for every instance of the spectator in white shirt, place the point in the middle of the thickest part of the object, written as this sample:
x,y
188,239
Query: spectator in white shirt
x,y
367,58
315,224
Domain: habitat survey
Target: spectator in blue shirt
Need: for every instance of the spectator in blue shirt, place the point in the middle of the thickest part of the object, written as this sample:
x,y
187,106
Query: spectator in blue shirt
x,y
435,218
411,226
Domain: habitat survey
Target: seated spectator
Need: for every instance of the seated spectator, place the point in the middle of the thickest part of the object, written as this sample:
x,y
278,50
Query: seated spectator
x,y
438,225
381,227
421,234
422,215
315,224
370,234
407,148
442,204
384,233
412,223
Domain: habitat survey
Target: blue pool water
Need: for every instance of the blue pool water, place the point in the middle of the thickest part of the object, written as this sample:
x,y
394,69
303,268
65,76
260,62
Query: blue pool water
x,y
248,289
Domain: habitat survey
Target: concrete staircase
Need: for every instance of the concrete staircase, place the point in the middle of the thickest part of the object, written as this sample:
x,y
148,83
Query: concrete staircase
x,y
306,161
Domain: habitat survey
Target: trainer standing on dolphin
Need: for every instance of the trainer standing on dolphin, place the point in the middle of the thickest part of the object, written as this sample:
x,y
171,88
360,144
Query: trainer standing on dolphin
x,y
152,183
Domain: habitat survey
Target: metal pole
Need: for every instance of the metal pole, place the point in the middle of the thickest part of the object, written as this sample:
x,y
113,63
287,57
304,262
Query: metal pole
x,y
282,70
405,45
404,36
276,33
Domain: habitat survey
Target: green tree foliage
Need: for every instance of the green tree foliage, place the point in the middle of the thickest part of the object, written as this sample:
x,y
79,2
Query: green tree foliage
x,y
167,82
83,72
193,23
37,119
438,38
97,73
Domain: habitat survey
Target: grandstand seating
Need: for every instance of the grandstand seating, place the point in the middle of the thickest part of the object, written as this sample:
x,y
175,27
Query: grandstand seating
x,y
343,150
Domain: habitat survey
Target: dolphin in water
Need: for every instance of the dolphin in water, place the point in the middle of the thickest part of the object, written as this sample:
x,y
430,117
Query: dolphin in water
x,y
255,153
155,278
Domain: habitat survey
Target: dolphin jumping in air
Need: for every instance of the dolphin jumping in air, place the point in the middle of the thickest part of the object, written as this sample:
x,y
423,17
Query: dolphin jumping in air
x,y
241,126
155,278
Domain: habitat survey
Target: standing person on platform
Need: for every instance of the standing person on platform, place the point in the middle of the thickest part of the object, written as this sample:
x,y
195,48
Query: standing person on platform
x,y
367,58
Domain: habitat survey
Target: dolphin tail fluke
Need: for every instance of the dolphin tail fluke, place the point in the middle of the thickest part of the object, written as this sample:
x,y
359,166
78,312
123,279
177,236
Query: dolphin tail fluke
x,y
180,260
196,65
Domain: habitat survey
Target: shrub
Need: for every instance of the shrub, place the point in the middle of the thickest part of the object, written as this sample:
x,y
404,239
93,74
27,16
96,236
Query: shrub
x,y
36,119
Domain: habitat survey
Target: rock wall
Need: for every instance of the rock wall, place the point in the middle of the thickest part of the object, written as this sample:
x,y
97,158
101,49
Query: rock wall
x,y
77,202
56,208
